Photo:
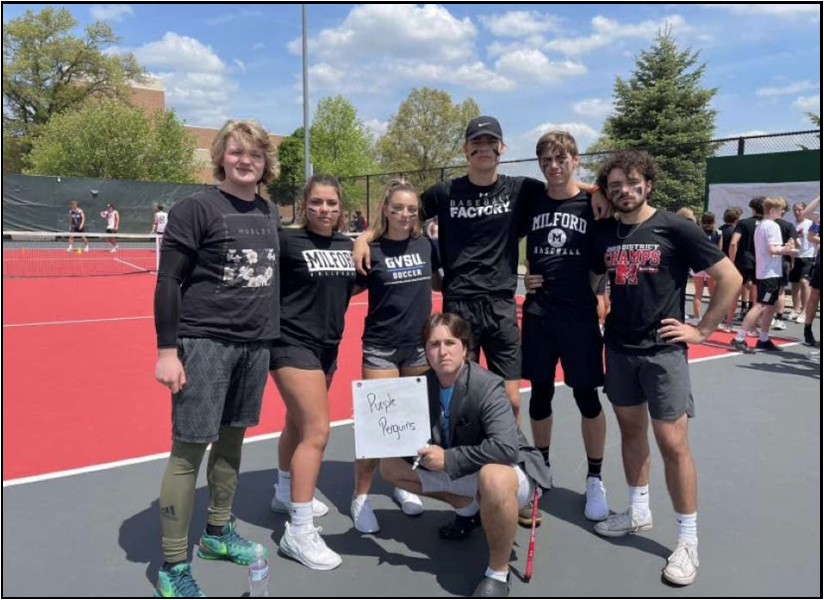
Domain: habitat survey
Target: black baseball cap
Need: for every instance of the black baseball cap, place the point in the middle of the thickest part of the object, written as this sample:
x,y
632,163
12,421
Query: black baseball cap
x,y
483,126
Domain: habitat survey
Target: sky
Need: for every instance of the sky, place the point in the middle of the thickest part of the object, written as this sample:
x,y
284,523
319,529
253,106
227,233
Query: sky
x,y
533,66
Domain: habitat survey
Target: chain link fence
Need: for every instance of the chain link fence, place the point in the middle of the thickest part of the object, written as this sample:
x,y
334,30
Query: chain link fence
x,y
363,192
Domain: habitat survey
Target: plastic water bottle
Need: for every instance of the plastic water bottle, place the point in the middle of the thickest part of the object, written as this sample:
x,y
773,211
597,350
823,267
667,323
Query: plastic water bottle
x,y
259,574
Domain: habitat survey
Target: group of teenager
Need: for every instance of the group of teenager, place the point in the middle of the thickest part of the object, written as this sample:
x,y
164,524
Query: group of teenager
x,y
238,295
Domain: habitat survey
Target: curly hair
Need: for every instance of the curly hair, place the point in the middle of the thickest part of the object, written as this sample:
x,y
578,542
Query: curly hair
x,y
628,161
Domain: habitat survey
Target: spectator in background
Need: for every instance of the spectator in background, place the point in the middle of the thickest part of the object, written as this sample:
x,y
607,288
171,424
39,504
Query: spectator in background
x,y
701,280
731,216
788,235
803,265
360,221
77,224
742,250
814,236
160,219
112,224
432,228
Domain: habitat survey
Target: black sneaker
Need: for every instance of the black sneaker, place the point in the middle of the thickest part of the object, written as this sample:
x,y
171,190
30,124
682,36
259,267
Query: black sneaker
x,y
809,339
767,346
460,527
492,588
741,346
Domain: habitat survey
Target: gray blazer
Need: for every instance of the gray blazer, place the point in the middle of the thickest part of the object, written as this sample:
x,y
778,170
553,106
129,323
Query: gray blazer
x,y
482,426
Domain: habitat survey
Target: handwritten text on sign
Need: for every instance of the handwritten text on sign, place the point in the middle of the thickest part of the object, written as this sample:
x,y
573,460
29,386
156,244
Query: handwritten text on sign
x,y
391,417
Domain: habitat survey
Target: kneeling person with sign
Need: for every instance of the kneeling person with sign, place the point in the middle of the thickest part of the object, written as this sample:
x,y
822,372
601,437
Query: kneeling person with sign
x,y
478,462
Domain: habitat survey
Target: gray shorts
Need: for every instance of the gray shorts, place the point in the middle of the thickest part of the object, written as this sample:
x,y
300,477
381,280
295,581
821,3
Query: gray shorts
x,y
433,482
662,380
224,386
384,359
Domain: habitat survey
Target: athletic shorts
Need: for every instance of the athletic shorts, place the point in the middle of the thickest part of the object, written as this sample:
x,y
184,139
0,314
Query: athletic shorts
x,y
384,359
110,230
435,482
802,269
769,290
576,342
494,326
602,285
224,386
815,278
662,380
76,229
747,274
308,359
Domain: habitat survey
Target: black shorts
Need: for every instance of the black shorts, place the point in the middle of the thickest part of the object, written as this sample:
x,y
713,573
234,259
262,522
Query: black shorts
x,y
769,290
576,342
661,379
602,285
110,230
747,273
76,229
802,269
224,386
307,359
494,326
815,277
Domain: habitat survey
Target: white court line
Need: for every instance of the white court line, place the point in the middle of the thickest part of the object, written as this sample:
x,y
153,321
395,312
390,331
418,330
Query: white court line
x,y
77,322
257,438
128,264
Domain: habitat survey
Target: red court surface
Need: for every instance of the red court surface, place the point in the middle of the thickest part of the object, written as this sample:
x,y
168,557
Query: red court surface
x,y
78,374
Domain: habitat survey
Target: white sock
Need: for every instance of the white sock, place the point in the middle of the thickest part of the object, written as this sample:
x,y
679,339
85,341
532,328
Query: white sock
x,y
639,500
469,511
301,516
687,527
496,575
284,486
740,335
764,337
361,498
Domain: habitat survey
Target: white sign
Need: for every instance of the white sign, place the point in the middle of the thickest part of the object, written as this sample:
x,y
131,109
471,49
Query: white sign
x,y
391,417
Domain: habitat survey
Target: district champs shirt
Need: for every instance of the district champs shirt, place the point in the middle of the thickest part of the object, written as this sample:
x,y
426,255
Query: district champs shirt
x,y
400,291
317,279
559,236
477,234
648,266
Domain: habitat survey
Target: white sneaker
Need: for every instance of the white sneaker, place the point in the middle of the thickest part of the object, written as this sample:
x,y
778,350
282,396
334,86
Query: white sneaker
x,y
85,249
309,549
779,324
114,249
279,506
410,504
682,565
801,318
794,315
694,321
69,249
363,516
596,508
623,524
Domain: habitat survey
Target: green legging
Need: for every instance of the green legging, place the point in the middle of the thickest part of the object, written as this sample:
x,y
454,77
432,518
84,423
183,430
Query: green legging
x,y
177,492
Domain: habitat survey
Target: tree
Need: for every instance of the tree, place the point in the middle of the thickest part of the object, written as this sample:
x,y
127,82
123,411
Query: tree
x,y
340,145
427,132
110,140
48,70
815,119
663,106
285,188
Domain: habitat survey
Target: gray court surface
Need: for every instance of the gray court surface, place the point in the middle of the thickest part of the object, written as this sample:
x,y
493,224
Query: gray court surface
x,y
757,444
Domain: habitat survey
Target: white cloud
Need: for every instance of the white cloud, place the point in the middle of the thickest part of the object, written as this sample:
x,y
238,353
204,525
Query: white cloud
x,y
607,32
376,127
474,76
808,103
745,134
787,11
197,81
595,108
409,31
229,17
533,65
520,23
582,132
240,65
790,88
110,12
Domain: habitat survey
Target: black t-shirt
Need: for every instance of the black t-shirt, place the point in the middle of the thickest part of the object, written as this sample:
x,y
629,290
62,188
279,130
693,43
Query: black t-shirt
x,y
648,266
477,234
558,246
232,292
788,232
726,237
745,255
317,279
400,291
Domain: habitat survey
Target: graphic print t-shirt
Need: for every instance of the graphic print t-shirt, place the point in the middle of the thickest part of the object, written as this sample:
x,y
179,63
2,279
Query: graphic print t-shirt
x,y
75,217
400,291
233,289
558,246
317,280
477,234
648,268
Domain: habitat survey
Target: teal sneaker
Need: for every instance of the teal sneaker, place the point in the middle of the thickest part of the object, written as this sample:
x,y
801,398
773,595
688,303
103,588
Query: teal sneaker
x,y
177,583
228,546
